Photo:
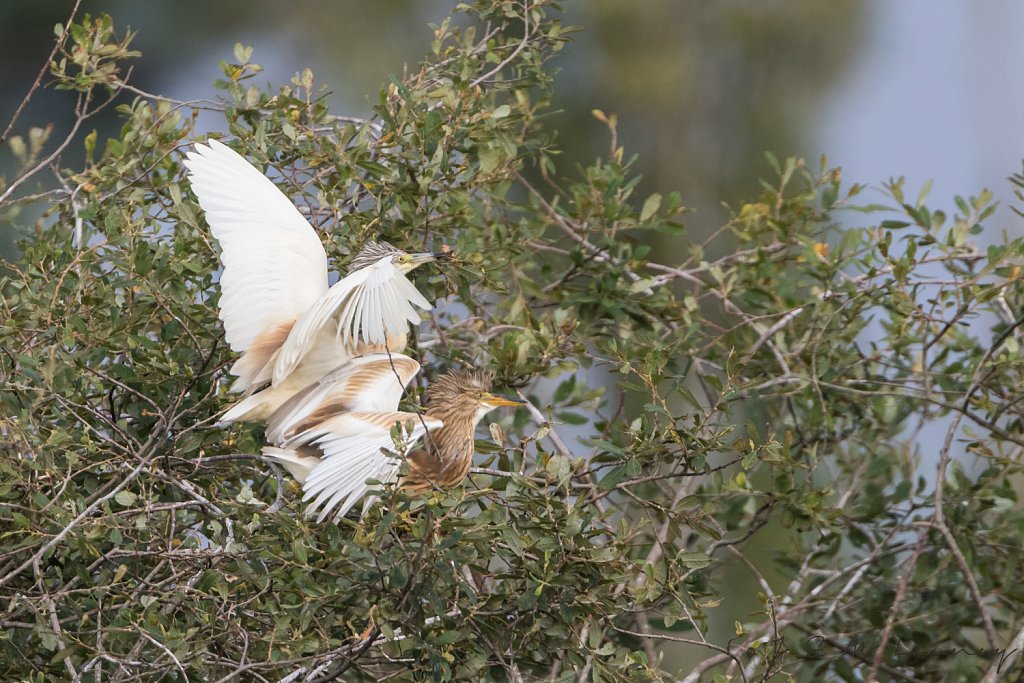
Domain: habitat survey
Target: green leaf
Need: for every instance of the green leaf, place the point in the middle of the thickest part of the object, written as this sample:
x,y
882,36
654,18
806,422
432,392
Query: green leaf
x,y
299,551
694,560
125,498
488,157
642,285
651,206
613,478
243,53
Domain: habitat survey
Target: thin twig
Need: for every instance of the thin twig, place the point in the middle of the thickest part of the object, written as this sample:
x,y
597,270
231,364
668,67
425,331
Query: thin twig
x,y
515,53
57,44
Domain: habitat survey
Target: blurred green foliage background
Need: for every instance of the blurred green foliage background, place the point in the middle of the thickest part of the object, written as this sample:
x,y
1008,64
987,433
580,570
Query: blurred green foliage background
x,y
701,90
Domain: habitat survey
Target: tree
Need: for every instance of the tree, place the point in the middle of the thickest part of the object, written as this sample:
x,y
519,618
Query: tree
x,y
771,398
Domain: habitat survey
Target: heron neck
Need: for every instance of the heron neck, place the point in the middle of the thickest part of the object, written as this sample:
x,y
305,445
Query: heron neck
x,y
448,452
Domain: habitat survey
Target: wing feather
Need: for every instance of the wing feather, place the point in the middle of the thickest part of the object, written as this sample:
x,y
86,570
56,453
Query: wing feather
x,y
353,451
367,466
348,305
349,331
374,319
275,266
373,382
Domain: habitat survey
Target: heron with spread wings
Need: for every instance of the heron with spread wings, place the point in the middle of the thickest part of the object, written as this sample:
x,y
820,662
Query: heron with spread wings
x,y
335,435
276,306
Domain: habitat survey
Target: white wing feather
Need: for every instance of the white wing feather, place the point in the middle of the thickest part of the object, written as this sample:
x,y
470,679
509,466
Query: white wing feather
x,y
370,304
353,451
275,266
373,382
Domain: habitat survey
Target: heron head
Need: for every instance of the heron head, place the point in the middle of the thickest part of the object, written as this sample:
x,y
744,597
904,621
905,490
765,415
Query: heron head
x,y
406,262
466,393
375,252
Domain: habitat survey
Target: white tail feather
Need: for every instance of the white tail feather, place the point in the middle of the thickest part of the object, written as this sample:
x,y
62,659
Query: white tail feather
x,y
299,466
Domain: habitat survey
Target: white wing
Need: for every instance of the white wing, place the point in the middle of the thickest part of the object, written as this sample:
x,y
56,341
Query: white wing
x,y
372,383
352,446
370,304
275,266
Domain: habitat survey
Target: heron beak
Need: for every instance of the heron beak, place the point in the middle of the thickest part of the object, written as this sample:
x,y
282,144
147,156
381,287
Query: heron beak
x,y
422,257
417,259
443,255
495,401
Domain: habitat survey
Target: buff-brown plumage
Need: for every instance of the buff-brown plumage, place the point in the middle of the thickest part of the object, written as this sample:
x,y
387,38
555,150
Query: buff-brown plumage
x,y
350,417
455,398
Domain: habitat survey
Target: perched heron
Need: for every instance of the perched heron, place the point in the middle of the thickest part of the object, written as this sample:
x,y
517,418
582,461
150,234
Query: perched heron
x,y
336,434
275,304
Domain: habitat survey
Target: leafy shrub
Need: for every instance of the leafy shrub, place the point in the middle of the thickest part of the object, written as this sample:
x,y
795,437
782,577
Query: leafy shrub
x,y
766,412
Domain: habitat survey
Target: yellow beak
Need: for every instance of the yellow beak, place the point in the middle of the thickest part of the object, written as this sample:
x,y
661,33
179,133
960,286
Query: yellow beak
x,y
411,261
496,401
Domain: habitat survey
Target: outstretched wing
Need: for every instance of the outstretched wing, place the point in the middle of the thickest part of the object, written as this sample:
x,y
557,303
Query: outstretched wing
x,y
368,304
353,451
275,266
373,383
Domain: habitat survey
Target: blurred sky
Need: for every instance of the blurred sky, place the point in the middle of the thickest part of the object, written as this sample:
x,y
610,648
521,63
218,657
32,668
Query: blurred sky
x,y
935,91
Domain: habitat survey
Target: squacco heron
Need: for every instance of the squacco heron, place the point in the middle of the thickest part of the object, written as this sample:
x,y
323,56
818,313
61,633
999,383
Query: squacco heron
x,y
277,309
333,436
